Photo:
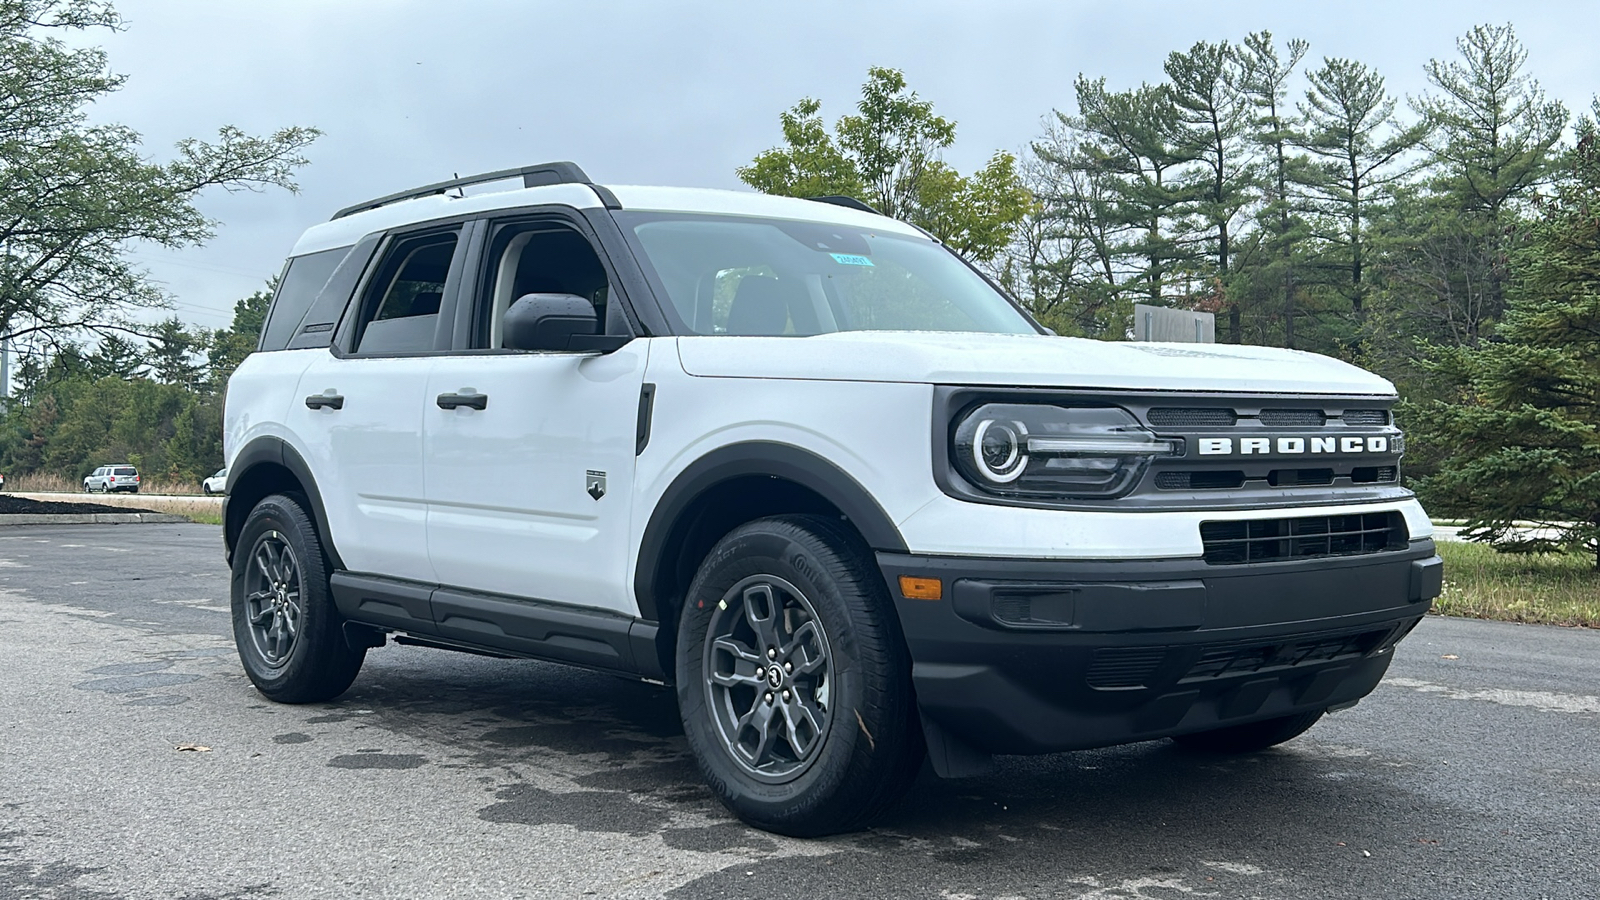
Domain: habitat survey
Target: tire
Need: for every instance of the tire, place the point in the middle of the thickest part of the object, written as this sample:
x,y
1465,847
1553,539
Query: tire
x,y
848,740
1250,737
205,489
291,642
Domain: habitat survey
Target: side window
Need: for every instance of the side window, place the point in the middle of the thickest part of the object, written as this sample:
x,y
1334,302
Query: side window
x,y
400,309
541,258
302,281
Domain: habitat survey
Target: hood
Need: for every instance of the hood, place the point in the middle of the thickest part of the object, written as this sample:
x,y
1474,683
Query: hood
x,y
1026,361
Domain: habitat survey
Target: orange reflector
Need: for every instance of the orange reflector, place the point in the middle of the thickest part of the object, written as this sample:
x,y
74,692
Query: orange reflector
x,y
921,588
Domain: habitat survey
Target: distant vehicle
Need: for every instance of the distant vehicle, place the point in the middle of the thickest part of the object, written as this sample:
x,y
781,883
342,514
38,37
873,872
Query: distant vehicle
x,y
108,479
2,482
216,484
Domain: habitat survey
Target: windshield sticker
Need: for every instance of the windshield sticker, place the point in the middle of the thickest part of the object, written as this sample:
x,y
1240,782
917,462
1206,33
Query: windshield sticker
x,y
850,259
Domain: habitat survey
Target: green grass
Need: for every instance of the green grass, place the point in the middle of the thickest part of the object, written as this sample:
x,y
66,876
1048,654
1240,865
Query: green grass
x,y
206,518
1549,589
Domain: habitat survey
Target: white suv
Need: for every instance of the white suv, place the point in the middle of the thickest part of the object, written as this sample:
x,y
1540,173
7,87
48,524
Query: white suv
x,y
807,465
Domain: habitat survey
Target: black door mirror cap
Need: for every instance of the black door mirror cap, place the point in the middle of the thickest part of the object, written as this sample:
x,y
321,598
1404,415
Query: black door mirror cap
x,y
556,322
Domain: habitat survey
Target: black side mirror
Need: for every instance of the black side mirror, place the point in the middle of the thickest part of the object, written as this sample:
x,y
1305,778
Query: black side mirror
x,y
556,322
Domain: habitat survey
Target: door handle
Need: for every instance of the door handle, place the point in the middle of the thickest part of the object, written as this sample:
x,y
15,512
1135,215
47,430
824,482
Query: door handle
x,y
451,401
331,401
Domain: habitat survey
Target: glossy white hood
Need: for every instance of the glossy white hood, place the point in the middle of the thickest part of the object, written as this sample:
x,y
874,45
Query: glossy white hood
x,y
1025,360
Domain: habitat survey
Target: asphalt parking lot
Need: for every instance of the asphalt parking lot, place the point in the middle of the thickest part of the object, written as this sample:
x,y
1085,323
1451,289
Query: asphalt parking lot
x,y
1472,772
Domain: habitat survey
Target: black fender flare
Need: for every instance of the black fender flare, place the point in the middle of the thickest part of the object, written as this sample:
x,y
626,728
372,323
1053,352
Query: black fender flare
x,y
771,458
274,451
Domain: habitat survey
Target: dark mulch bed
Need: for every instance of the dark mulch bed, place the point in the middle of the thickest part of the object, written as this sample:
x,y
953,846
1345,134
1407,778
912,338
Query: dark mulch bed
x,y
13,506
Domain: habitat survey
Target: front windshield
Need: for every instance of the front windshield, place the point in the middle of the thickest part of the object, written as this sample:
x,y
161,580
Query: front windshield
x,y
753,276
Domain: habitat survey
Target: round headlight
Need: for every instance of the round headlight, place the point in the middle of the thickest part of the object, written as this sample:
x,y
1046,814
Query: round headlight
x,y
999,449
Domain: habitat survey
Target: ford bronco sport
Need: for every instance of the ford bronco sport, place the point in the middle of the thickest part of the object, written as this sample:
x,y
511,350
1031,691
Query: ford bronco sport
x,y
812,469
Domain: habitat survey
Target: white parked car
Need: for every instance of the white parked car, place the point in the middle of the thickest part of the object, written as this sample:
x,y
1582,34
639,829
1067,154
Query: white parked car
x,y
216,483
811,468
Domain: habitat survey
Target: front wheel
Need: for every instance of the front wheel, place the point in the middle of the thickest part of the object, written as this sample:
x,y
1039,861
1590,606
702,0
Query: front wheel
x,y
793,679
289,634
1250,737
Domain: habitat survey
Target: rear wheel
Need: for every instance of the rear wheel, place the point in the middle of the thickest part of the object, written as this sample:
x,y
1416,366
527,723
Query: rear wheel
x,y
1250,737
793,680
289,634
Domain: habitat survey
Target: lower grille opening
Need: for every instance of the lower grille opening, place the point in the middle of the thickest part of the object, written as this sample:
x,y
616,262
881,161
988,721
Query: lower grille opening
x,y
1199,481
1295,477
1374,474
1285,653
1262,540
1129,669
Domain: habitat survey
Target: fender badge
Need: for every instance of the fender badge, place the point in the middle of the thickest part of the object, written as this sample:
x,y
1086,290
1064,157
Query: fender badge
x,y
594,484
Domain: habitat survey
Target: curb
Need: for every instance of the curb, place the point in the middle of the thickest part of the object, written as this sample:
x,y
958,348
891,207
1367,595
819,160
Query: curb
x,y
91,519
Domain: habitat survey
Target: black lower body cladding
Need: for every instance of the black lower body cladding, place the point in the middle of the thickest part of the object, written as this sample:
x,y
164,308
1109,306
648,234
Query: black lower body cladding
x,y
1036,656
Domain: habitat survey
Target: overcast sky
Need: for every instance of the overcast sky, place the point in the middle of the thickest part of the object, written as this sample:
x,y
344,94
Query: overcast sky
x,y
411,91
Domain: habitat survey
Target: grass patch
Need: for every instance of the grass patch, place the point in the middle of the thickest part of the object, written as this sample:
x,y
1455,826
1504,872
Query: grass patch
x,y
1548,589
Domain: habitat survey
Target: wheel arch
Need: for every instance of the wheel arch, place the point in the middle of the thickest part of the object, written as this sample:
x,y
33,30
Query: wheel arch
x,y
735,484
270,465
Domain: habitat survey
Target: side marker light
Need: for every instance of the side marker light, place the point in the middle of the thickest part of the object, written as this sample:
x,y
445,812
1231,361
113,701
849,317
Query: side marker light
x,y
913,588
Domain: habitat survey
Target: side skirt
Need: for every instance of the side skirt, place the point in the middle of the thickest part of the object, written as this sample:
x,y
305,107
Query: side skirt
x,y
498,625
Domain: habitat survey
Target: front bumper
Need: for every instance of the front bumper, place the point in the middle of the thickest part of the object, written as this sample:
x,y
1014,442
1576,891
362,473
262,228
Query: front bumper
x,y
1035,656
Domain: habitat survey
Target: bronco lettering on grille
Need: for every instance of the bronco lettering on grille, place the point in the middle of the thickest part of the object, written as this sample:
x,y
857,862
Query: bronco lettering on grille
x,y
1291,446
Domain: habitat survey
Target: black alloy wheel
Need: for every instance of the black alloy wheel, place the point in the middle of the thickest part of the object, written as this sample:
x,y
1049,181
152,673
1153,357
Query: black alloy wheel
x,y
767,671
272,604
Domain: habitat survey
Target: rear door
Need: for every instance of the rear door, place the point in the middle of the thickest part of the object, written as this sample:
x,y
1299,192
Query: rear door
x,y
529,488
359,407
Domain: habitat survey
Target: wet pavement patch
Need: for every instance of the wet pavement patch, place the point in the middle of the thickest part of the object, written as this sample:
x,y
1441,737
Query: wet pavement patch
x,y
599,811
131,683
572,737
376,761
293,737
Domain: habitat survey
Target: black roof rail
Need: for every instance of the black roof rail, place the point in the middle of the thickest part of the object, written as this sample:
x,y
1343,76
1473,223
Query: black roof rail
x,y
532,176
846,202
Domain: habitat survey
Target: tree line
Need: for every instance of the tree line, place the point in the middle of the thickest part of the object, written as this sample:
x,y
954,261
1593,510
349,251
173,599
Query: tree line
x,y
153,402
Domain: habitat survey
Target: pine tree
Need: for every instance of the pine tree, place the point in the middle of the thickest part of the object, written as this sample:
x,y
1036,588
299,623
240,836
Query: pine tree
x,y
1264,79
1212,117
172,352
1359,148
1522,440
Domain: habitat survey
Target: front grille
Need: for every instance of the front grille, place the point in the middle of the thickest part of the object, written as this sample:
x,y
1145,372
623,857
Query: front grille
x,y
1284,653
1172,417
1263,540
1117,669
1366,417
1293,418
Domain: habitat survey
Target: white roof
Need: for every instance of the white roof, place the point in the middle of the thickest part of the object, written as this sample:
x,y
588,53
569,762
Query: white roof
x,y
346,231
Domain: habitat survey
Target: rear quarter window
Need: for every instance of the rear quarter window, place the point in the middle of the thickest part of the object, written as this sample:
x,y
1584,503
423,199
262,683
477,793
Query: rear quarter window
x,y
301,283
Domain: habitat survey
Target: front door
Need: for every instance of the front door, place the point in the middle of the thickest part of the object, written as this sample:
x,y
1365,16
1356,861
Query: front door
x,y
530,456
359,413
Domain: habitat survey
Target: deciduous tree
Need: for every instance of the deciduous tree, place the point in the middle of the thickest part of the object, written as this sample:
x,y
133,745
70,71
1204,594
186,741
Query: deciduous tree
x,y
75,195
